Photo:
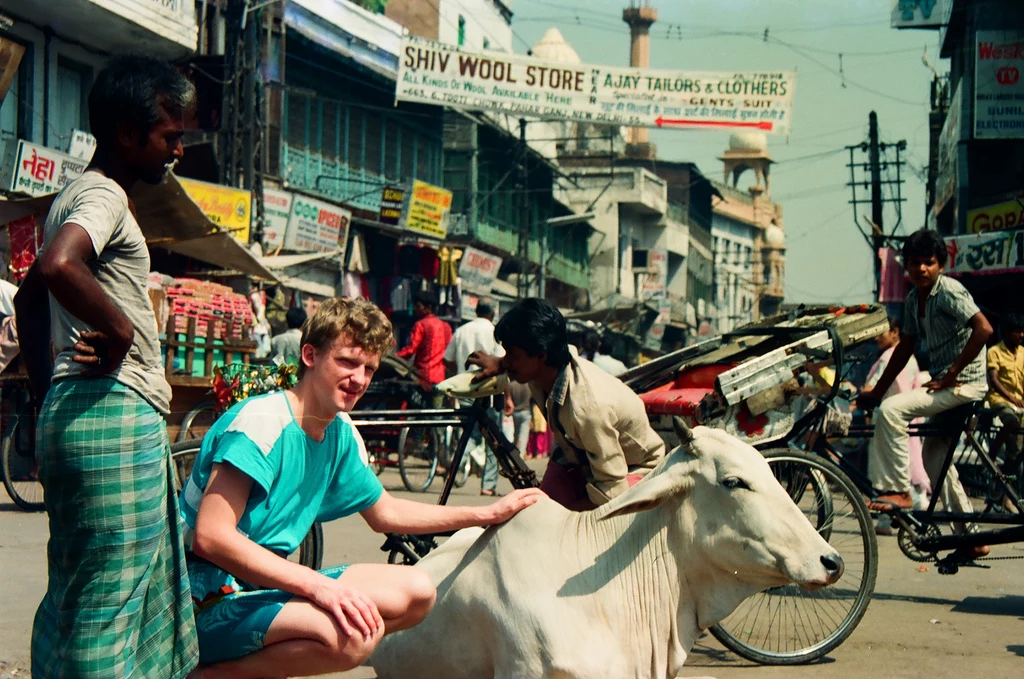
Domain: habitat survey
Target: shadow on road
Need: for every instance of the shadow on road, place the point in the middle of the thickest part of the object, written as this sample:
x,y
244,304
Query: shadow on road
x,y
708,653
1019,650
983,605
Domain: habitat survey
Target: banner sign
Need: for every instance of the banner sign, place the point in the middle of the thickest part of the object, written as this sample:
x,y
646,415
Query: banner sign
x,y
986,253
428,210
656,333
477,270
10,58
919,13
436,73
392,203
997,217
657,273
82,145
277,208
317,226
39,171
226,207
949,150
998,86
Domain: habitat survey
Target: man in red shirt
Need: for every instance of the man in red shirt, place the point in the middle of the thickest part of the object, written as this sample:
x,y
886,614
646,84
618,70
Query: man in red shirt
x,y
427,341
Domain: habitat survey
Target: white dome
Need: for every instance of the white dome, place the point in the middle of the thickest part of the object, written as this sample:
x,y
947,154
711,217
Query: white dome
x,y
774,237
748,141
553,47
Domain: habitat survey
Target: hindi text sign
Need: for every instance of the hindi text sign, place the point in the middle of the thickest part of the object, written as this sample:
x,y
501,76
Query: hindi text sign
x,y
986,253
277,208
428,210
477,270
40,171
439,74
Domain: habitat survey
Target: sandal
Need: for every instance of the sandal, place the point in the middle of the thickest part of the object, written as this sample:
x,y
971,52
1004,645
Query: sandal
x,y
487,492
891,502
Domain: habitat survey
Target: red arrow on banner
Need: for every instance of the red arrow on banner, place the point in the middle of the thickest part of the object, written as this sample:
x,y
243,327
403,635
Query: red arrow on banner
x,y
661,122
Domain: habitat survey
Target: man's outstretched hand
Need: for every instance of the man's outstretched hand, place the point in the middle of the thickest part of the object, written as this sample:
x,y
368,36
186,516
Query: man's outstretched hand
x,y
510,505
489,365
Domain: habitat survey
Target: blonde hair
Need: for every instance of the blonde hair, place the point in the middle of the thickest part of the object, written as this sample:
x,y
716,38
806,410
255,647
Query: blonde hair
x,y
361,321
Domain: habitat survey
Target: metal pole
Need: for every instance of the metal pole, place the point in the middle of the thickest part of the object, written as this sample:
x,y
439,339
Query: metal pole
x,y
524,215
877,229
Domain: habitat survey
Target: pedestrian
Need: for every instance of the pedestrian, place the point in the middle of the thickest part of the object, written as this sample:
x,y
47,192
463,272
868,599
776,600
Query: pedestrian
x,y
268,469
285,346
477,335
907,380
605,440
517,406
605,361
943,314
1006,397
541,440
117,602
428,342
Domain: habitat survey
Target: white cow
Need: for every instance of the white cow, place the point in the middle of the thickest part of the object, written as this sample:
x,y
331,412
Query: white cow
x,y
622,591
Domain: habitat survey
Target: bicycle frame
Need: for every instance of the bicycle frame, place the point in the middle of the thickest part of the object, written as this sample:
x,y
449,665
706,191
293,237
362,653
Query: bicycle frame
x,y
811,424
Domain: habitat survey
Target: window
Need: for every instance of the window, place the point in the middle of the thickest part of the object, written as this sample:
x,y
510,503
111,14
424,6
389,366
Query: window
x,y
462,30
16,109
71,110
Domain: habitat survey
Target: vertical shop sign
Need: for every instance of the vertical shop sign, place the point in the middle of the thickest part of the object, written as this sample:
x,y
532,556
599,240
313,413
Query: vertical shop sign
x,y
657,273
10,58
277,208
998,85
392,204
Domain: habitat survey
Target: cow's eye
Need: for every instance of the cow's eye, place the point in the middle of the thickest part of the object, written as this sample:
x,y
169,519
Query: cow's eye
x,y
735,483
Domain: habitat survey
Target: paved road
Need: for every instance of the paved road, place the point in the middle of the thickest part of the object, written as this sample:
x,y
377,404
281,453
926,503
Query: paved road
x,y
920,624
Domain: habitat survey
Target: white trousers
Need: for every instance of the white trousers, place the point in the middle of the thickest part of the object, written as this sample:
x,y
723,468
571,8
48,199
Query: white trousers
x,y
889,455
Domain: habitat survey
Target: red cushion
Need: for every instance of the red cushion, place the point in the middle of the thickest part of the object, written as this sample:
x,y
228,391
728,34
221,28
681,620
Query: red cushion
x,y
670,401
701,377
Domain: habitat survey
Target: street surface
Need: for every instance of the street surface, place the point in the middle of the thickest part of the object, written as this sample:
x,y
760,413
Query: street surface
x,y
920,624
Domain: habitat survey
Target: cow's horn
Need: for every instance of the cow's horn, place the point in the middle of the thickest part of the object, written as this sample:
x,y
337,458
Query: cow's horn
x,y
684,433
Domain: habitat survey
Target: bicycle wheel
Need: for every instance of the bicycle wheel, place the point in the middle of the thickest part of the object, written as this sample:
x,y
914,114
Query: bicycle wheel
x,y
197,422
18,465
183,456
417,458
790,626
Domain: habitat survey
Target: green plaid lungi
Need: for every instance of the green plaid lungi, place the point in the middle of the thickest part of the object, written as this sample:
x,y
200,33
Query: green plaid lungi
x,y
118,603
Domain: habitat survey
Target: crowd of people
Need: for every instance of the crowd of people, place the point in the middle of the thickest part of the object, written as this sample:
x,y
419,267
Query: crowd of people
x,y
142,582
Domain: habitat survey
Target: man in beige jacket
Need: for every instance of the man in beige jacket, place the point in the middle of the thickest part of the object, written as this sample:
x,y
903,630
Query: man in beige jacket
x,y
605,441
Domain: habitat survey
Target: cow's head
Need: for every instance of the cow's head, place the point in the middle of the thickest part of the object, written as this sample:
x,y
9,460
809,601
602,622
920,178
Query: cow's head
x,y
729,508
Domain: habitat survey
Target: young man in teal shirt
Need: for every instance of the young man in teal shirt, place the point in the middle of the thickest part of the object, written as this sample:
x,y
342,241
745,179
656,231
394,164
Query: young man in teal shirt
x,y
268,469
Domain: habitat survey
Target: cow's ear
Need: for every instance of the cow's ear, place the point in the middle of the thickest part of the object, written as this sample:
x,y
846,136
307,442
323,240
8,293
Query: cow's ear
x,y
648,494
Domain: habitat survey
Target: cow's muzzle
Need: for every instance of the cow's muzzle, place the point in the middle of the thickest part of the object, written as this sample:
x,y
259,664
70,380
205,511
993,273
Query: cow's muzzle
x,y
834,566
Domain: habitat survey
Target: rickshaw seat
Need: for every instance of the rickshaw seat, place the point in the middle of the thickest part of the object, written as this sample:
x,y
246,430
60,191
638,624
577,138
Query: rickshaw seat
x,y
681,396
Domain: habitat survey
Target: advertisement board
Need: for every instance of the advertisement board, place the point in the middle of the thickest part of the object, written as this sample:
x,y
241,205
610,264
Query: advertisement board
x,y
10,58
277,208
657,273
427,212
392,204
1005,215
919,13
39,171
228,208
316,226
477,270
986,253
439,74
998,86
949,149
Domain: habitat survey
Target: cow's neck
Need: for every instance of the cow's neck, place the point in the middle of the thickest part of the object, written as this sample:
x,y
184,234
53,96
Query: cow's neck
x,y
634,554
714,592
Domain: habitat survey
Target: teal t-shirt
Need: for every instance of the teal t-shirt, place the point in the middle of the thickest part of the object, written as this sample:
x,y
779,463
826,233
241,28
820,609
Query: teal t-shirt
x,y
296,480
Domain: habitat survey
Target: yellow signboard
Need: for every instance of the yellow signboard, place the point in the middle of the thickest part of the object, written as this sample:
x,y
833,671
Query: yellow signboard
x,y
428,210
226,207
1008,215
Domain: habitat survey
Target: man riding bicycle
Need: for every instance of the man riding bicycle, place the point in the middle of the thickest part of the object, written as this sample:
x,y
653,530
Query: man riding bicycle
x,y
269,468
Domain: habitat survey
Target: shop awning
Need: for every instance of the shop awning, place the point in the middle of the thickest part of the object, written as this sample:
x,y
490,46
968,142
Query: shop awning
x,y
309,287
169,219
281,262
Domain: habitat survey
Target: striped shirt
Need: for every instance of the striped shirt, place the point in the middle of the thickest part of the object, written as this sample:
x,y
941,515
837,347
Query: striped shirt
x,y
944,329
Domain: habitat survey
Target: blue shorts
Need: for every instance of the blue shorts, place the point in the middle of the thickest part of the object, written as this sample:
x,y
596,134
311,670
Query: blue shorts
x,y
236,624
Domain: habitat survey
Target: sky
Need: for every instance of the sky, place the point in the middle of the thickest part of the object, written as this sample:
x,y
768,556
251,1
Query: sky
x,y
881,69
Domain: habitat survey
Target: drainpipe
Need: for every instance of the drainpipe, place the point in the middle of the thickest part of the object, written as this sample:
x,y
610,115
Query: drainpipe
x,y
47,39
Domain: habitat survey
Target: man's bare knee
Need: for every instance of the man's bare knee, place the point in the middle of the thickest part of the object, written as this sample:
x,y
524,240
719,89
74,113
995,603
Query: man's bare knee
x,y
350,652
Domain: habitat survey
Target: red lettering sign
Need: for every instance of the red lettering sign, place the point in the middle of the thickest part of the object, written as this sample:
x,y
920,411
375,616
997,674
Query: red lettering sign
x,y
1008,75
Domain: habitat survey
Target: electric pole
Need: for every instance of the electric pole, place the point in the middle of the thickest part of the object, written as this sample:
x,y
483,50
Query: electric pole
x,y
524,214
867,182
